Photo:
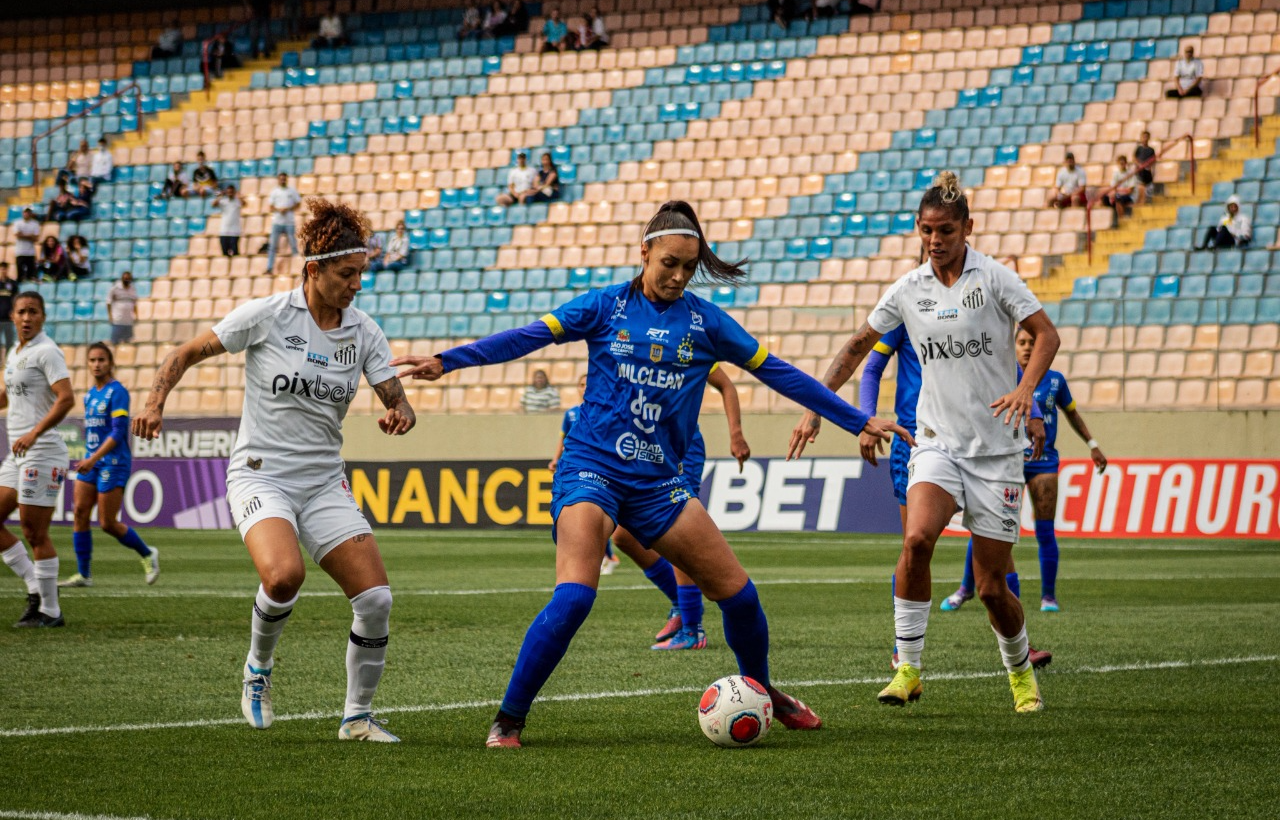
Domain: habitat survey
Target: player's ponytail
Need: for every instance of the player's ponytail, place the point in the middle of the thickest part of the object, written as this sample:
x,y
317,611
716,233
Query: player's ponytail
x,y
677,215
332,231
945,194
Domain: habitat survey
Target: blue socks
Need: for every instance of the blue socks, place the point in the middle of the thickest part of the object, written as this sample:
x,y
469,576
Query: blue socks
x,y
690,598
608,548
747,632
1015,586
968,582
545,644
83,544
133,542
1048,541
664,578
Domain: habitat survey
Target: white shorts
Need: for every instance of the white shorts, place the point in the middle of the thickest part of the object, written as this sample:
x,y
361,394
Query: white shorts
x,y
988,489
322,516
37,481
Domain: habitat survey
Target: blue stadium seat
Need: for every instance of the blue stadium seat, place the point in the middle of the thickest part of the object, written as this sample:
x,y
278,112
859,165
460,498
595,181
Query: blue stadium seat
x,y
1086,287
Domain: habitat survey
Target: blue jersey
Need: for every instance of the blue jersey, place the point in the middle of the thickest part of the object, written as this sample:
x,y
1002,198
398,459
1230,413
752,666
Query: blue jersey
x,y
647,370
570,419
907,393
102,408
1052,394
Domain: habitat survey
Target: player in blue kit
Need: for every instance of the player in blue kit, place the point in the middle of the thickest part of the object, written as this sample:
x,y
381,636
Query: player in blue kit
x,y
651,347
102,474
1041,474
610,562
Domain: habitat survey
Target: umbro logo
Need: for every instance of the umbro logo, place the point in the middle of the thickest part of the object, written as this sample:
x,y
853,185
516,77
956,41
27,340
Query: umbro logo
x,y
973,300
1009,524
926,305
295,343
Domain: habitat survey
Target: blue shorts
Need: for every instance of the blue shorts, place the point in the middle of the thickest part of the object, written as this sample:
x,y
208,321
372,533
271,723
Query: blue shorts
x,y
1047,464
646,508
899,455
107,476
694,461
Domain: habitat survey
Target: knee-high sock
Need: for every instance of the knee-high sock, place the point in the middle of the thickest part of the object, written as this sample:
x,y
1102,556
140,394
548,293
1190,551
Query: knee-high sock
x,y
1015,651
46,570
1015,586
910,619
690,598
608,548
267,623
367,649
1048,541
545,643
968,582
82,543
663,577
16,559
746,631
131,540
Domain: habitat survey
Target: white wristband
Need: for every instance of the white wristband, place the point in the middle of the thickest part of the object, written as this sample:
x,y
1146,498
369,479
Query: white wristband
x,y
1092,443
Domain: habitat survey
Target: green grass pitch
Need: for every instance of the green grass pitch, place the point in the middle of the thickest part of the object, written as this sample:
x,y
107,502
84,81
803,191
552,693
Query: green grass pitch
x,y
1162,698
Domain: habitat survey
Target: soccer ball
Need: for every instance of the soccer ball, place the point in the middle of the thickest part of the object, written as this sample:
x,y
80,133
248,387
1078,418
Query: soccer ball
x,y
735,711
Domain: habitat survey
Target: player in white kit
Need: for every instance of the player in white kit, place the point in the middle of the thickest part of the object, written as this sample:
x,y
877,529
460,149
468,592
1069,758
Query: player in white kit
x,y
305,351
961,310
37,393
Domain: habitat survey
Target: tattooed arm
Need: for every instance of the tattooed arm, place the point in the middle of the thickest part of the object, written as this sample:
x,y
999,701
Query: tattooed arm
x,y
400,417
840,371
147,424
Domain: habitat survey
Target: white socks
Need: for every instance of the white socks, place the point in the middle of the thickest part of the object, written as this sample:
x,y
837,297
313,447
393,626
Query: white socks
x,y
18,561
267,623
367,649
910,618
46,572
1015,651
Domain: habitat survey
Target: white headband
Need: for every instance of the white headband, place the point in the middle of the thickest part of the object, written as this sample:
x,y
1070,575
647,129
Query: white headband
x,y
320,256
672,232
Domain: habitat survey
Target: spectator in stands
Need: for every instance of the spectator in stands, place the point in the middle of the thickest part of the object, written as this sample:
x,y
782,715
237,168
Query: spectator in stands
x,y
79,164
53,260
1144,157
204,181
103,165
293,19
283,202
592,34
823,8
1187,74
517,21
520,182
495,19
176,183
539,396
376,251
26,232
169,43
1120,197
122,301
330,34
1233,231
79,262
396,256
260,27
230,205
1069,187
8,290
782,11
222,55
547,184
73,206
472,21
555,33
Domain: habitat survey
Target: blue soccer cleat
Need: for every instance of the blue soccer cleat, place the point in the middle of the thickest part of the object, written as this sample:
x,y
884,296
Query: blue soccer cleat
x,y
1049,604
956,599
692,638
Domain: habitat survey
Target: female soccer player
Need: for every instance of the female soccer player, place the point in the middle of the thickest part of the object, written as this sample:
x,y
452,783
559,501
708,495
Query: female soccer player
x,y
960,309
37,392
611,561
651,345
304,353
102,475
1041,474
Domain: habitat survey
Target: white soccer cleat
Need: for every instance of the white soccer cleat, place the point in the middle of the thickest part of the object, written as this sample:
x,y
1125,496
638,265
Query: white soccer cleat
x,y
255,699
76,580
151,564
365,727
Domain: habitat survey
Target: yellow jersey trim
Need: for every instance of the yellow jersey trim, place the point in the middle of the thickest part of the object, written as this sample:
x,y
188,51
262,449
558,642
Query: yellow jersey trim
x,y
119,413
553,323
758,359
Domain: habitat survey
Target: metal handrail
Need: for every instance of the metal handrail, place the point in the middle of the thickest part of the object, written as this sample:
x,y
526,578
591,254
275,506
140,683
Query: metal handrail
x,y
204,52
132,88
1262,80
1100,193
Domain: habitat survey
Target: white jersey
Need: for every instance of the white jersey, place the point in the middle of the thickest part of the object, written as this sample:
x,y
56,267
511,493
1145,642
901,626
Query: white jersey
x,y
299,382
29,373
963,336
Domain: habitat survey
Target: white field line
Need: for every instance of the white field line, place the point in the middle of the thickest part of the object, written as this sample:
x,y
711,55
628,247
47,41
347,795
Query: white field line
x,y
629,693
54,815
99,592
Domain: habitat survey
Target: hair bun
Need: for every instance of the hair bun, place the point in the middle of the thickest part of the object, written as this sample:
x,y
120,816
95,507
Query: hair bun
x,y
948,185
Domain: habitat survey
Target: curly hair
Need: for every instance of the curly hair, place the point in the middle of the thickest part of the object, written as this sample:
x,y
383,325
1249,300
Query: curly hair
x,y
333,226
677,214
945,194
